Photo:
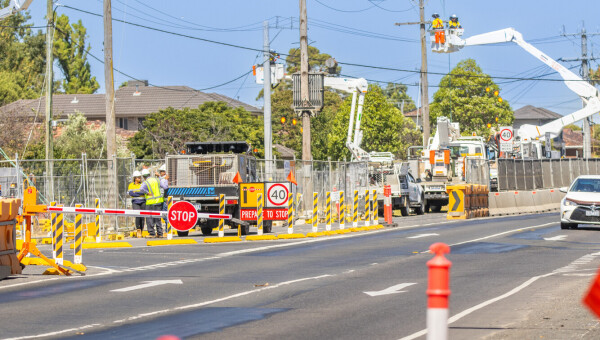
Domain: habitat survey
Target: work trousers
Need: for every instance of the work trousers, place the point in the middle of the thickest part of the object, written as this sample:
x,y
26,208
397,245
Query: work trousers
x,y
139,221
440,37
154,222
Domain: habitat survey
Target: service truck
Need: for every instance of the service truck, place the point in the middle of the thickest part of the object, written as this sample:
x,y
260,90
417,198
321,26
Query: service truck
x,y
205,170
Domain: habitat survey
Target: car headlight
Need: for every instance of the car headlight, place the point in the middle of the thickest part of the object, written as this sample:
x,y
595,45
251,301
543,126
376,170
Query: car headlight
x,y
568,202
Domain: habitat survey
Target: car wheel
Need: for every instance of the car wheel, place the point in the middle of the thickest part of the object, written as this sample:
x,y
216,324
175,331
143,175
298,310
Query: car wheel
x,y
183,233
564,225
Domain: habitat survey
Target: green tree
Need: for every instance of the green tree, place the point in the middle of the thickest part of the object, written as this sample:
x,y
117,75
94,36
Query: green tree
x,y
167,131
467,96
71,52
384,127
396,95
316,60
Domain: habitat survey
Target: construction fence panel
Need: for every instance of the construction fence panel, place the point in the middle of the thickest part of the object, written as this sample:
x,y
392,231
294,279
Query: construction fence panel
x,y
477,171
546,166
565,171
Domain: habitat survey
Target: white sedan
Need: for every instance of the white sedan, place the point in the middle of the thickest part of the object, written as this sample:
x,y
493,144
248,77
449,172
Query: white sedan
x,y
581,205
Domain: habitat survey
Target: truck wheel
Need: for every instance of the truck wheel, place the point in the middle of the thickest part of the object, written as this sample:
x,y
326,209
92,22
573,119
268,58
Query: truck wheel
x,y
267,226
420,210
183,233
206,230
436,208
404,211
427,207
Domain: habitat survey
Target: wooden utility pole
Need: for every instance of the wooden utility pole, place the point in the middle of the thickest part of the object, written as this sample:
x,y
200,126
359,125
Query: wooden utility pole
x,y
111,139
424,82
49,83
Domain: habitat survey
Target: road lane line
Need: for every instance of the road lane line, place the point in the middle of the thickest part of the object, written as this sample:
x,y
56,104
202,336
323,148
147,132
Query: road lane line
x,y
423,235
55,333
568,268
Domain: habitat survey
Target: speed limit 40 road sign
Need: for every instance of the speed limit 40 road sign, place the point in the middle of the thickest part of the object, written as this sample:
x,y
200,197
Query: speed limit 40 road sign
x,y
277,194
182,216
506,138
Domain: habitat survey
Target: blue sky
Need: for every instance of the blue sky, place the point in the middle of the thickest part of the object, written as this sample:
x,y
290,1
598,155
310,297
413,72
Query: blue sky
x,y
353,31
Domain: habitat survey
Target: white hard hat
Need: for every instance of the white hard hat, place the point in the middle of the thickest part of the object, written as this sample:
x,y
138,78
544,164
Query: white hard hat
x,y
163,168
145,172
137,174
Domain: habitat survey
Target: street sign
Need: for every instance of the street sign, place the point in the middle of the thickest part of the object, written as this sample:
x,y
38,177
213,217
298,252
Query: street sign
x,y
277,194
506,139
182,216
248,194
268,214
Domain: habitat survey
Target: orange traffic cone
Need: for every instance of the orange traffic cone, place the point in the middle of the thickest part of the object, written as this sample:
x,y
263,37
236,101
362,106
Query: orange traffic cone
x,y
237,179
291,178
592,298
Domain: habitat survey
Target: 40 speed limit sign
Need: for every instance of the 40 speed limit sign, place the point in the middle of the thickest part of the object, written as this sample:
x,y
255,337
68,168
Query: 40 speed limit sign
x,y
277,194
506,138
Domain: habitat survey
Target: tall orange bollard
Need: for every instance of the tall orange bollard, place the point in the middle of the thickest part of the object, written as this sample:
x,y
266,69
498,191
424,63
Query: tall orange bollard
x,y
387,204
438,291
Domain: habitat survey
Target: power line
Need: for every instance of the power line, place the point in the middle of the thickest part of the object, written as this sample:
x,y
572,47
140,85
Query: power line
x,y
342,10
390,10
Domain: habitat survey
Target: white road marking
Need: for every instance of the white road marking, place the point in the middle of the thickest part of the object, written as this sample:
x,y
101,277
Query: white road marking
x,y
148,284
580,274
571,267
556,238
423,235
55,333
391,290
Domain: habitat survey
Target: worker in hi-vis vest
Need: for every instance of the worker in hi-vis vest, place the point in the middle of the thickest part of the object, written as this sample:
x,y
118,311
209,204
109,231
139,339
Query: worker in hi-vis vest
x,y
438,28
138,201
453,23
154,201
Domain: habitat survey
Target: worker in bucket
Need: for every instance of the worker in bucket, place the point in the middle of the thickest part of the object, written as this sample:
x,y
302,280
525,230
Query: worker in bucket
x,y
453,23
154,201
138,201
438,28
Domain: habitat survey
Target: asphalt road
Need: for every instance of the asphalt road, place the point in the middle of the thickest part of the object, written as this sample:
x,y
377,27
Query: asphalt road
x,y
511,278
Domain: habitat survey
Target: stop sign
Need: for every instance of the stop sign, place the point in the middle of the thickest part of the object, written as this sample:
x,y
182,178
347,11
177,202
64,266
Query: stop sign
x,y
182,216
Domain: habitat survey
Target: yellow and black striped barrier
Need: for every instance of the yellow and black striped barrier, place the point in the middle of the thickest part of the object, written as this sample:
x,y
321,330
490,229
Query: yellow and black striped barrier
x,y
290,213
97,221
375,208
315,213
60,230
355,210
170,230
259,213
328,210
367,208
78,259
342,211
221,211
53,219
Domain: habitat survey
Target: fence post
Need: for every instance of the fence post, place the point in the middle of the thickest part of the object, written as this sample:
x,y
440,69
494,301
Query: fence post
x,y
328,210
97,221
222,211
355,210
59,237
78,258
53,220
259,213
315,212
342,217
290,213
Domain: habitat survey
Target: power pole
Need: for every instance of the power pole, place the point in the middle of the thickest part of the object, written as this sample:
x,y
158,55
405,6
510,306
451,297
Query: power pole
x,y
111,139
267,96
304,95
424,82
49,83
585,73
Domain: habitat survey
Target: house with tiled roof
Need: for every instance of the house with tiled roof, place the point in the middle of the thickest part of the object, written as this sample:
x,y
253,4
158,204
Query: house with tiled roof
x,y
133,103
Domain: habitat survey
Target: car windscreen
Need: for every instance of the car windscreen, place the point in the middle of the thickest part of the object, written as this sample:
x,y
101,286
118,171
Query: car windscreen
x,y
586,185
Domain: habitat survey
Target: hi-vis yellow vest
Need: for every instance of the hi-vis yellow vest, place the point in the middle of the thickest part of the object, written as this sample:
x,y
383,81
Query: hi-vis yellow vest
x,y
438,23
153,196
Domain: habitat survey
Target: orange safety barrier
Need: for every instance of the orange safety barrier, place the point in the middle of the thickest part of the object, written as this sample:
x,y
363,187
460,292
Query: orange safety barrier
x,y
8,254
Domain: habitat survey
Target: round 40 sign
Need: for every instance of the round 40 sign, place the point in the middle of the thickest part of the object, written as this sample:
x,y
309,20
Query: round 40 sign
x,y
277,194
182,216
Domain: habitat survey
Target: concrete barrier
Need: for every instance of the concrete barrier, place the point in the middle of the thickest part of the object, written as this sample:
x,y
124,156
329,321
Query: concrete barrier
x,y
505,204
524,201
492,206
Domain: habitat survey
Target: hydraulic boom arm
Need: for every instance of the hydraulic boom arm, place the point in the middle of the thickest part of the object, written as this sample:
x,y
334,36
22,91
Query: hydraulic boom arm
x,y
13,7
587,92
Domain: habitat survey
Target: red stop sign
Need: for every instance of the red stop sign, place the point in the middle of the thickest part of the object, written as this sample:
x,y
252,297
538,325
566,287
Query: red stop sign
x,y
182,216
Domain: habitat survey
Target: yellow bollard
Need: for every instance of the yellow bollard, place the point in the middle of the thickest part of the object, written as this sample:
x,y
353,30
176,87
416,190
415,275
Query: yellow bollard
x,y
290,213
342,211
328,211
259,213
315,214
60,223
375,208
53,219
221,211
367,208
78,259
355,210
97,221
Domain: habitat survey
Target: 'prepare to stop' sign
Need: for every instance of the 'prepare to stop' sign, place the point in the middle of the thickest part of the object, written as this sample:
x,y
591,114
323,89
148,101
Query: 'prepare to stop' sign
x,y
183,216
